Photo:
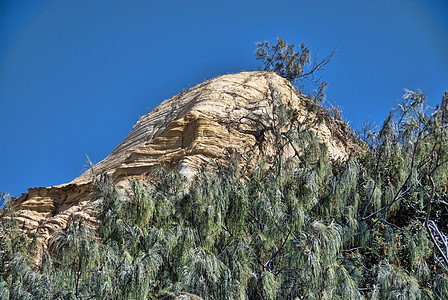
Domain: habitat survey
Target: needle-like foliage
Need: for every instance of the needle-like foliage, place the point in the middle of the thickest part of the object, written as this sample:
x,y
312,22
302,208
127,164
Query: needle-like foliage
x,y
295,226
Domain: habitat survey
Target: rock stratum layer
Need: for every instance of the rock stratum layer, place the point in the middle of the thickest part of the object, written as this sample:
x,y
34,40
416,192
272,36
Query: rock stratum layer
x,y
186,131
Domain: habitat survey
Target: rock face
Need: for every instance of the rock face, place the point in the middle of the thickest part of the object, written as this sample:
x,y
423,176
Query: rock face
x,y
184,132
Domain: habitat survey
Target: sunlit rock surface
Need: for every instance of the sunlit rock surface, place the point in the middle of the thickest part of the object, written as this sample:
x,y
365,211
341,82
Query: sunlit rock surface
x,y
186,131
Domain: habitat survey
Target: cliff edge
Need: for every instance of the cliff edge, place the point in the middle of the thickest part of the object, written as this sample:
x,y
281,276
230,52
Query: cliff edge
x,y
184,132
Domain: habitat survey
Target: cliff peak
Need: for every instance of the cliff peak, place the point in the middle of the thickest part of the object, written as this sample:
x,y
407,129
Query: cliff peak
x,y
184,132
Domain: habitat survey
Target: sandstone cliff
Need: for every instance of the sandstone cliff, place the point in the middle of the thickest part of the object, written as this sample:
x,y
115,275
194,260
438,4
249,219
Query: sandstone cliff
x,y
183,132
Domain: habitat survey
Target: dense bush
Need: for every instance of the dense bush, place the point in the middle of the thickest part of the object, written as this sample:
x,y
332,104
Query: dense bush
x,y
300,227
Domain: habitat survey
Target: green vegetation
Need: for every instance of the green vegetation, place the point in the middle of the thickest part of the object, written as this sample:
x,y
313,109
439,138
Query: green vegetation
x,y
304,227
288,227
296,66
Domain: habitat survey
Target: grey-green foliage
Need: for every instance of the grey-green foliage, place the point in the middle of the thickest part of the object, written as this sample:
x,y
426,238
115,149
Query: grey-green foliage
x,y
4,290
10,241
299,227
283,58
27,283
396,283
296,65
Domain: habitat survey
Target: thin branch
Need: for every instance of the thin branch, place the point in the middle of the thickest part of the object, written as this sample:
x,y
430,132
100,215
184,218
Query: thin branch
x,y
278,250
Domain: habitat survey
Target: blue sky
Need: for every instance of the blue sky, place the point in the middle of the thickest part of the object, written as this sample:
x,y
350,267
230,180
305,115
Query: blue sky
x,y
76,75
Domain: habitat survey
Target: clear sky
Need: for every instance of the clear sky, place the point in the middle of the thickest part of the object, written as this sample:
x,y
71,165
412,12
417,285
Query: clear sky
x,y
75,75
